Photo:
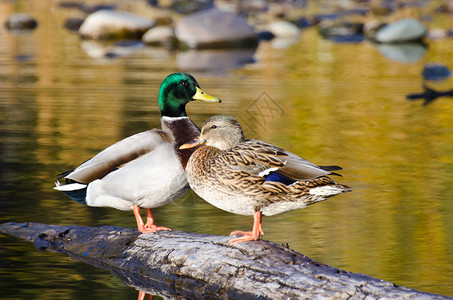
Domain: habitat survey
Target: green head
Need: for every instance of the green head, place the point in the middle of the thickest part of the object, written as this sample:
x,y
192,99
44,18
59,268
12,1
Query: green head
x,y
176,91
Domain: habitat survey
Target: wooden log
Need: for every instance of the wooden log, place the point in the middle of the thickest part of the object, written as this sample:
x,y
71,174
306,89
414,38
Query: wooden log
x,y
179,264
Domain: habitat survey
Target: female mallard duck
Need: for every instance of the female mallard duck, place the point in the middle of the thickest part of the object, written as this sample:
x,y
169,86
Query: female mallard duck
x,y
145,170
252,177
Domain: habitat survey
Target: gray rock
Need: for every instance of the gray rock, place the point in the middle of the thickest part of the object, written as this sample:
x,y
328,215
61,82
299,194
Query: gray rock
x,y
106,24
21,22
215,28
160,36
405,30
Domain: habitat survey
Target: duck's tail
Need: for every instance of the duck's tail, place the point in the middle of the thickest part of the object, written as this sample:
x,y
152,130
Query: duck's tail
x,y
329,190
317,190
75,190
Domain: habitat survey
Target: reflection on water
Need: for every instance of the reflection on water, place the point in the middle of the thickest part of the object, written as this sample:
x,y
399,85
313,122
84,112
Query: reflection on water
x,y
406,53
429,95
342,104
213,61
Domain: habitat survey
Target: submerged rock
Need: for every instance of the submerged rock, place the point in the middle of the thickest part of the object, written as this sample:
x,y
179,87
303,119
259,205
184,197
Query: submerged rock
x,y
160,36
436,71
265,35
215,28
305,22
246,7
437,34
191,6
73,24
21,22
106,24
91,8
341,31
405,30
69,4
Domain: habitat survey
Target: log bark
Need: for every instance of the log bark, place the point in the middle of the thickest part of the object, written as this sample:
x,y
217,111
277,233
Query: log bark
x,y
177,264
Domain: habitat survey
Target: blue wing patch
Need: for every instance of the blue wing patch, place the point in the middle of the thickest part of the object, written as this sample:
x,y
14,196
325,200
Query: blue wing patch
x,y
275,177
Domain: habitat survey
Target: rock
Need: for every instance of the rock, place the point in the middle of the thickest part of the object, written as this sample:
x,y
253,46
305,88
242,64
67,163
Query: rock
x,y
91,8
345,32
160,36
215,28
323,17
283,43
191,6
265,35
153,3
305,22
246,7
283,29
106,24
405,30
445,7
21,22
69,4
73,24
436,71
437,34
371,28
383,8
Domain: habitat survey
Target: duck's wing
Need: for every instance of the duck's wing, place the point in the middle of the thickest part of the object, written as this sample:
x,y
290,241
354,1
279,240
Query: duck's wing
x,y
264,159
117,155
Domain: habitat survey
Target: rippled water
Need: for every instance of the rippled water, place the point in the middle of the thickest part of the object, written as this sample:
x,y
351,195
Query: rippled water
x,y
343,104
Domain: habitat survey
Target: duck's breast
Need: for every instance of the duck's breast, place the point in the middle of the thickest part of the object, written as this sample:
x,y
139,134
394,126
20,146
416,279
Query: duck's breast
x,y
149,181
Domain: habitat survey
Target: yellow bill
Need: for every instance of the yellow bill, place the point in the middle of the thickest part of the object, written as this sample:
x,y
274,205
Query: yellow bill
x,y
200,95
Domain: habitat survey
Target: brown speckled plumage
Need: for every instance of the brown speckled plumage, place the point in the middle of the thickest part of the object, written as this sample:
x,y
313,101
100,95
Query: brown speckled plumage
x,y
230,173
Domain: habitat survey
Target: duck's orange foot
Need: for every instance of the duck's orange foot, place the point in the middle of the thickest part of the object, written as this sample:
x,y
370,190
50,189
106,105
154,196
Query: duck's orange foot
x,y
253,235
246,236
240,232
152,228
142,294
149,226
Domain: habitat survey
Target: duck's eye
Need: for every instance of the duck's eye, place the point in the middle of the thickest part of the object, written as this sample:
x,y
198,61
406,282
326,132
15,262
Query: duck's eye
x,y
184,83
213,126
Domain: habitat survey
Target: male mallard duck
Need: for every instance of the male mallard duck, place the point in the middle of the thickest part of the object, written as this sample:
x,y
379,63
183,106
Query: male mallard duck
x,y
252,177
145,170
